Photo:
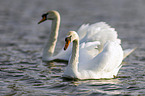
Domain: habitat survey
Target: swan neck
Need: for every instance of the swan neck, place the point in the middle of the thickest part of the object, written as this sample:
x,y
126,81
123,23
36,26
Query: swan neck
x,y
73,64
51,43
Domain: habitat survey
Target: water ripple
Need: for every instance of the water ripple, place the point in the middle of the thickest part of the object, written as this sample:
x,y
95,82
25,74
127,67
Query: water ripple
x,y
22,71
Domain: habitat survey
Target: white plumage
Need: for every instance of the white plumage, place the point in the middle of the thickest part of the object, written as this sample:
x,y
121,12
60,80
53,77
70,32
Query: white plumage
x,y
104,65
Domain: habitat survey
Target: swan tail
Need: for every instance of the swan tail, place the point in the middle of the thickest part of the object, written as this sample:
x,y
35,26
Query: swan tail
x,y
127,52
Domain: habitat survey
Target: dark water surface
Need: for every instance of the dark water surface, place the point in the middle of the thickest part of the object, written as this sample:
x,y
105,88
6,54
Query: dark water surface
x,y
22,73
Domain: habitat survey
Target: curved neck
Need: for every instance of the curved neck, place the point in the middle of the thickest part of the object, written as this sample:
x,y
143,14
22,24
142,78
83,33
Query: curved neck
x,y
73,63
51,43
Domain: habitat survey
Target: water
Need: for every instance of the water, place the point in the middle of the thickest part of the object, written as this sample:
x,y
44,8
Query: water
x,y
22,73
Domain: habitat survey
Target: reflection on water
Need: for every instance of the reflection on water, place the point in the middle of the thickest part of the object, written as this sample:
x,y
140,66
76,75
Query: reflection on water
x,y
21,41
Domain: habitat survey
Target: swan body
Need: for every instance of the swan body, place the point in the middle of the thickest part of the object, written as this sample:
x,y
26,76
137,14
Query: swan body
x,y
99,33
104,65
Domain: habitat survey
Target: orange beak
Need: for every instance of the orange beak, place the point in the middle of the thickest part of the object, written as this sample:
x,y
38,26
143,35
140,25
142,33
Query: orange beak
x,y
42,20
67,42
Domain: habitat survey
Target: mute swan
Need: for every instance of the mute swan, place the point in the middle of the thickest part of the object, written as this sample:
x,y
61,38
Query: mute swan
x,y
101,32
105,65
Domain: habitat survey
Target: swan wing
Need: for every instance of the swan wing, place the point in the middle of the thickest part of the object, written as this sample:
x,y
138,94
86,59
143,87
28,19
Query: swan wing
x,y
107,63
88,51
100,32
82,30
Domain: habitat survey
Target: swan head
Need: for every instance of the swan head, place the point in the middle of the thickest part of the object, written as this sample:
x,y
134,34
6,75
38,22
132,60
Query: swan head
x,y
50,15
71,36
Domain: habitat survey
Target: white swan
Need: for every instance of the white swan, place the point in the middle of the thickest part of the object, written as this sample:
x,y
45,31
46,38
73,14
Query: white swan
x,y
101,32
105,65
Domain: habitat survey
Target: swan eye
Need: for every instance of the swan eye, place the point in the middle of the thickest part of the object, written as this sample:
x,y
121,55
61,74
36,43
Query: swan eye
x,y
44,15
66,39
